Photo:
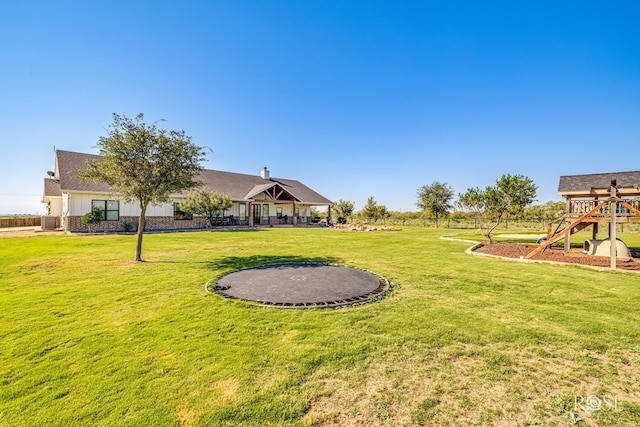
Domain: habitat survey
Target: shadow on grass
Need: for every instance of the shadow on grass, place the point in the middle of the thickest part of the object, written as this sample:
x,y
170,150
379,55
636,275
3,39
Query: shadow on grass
x,y
238,262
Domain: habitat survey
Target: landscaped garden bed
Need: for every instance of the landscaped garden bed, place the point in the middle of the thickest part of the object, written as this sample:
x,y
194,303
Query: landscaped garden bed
x,y
518,250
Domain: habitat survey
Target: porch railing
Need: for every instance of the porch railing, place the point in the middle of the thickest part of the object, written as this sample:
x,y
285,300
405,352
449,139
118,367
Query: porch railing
x,y
581,207
271,220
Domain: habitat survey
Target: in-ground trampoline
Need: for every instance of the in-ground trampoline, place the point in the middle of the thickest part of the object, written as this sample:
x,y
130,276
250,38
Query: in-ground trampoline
x,y
297,285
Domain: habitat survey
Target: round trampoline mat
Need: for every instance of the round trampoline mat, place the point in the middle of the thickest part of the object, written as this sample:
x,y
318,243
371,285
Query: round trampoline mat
x,y
302,285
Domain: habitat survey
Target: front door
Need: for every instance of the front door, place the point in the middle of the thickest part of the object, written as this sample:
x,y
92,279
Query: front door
x,y
256,212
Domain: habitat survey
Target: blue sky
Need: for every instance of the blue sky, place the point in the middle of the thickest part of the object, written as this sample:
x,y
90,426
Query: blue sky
x,y
353,98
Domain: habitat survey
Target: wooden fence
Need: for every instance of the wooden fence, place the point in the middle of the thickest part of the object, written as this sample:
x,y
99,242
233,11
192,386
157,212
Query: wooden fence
x,y
507,224
20,222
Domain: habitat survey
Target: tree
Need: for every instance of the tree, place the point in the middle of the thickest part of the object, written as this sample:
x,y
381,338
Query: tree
x,y
370,210
435,200
472,200
206,203
510,195
145,164
553,210
344,210
382,213
93,218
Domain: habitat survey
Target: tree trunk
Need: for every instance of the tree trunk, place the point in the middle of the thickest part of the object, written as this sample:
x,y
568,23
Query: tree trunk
x,y
488,234
141,221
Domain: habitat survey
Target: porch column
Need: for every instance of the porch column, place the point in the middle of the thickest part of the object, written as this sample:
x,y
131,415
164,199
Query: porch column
x,y
250,215
612,225
295,217
567,234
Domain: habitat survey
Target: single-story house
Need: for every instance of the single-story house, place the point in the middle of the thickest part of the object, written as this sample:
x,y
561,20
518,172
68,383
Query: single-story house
x,y
257,200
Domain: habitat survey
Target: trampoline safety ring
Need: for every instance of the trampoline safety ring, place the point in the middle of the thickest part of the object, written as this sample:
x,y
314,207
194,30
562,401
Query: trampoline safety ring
x,y
300,285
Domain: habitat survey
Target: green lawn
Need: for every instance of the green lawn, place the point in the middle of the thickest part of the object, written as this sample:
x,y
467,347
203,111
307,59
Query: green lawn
x,y
88,337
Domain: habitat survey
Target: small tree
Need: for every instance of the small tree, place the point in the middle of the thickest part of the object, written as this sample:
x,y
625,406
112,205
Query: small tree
x,y
93,218
344,210
510,195
553,210
314,212
206,203
383,213
370,210
435,199
142,163
472,200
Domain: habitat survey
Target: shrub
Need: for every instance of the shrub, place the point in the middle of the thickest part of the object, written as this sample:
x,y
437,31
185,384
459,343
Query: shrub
x,y
93,218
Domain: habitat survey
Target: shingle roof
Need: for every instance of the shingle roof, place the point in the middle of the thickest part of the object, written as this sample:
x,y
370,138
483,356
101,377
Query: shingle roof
x,y
68,164
236,185
51,188
571,184
242,187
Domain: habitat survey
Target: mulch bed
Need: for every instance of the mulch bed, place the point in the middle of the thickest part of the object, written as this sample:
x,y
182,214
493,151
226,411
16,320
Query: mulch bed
x,y
516,250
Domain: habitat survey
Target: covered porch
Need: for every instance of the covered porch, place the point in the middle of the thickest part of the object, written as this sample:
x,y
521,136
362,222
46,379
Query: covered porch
x,y
274,204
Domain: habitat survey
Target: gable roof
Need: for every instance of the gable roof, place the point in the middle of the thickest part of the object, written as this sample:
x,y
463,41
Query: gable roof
x,y
51,189
238,186
67,165
245,187
598,184
259,189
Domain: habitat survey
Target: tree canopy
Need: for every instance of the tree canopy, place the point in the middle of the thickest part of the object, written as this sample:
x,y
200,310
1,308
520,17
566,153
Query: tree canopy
x,y
472,200
371,210
145,164
510,195
435,199
209,204
344,210
92,218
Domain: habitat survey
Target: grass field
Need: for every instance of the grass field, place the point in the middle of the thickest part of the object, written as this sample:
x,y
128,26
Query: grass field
x,y
88,337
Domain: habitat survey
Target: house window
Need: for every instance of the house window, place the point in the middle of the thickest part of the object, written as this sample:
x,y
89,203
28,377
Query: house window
x,y
243,211
265,211
298,212
278,213
179,214
110,209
